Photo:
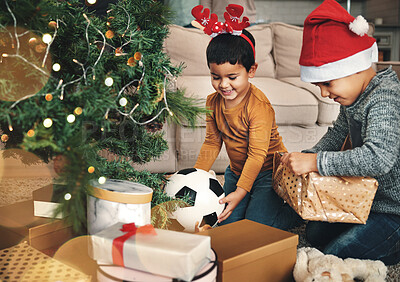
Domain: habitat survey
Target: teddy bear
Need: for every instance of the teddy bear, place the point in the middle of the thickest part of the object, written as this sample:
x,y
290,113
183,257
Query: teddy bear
x,y
313,265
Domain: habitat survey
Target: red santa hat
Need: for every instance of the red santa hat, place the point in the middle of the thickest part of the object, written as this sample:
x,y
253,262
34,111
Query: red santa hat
x,y
335,44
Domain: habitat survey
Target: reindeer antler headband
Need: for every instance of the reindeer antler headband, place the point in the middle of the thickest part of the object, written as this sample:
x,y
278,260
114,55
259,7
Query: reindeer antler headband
x,y
232,24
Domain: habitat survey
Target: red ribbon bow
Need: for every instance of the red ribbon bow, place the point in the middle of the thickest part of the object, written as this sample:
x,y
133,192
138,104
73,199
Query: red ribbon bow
x,y
118,243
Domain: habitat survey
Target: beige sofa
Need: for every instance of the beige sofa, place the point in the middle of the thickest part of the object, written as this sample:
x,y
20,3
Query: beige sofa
x,y
302,115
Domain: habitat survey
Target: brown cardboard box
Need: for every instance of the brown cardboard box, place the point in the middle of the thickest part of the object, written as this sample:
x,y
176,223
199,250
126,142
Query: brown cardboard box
x,y
250,251
17,224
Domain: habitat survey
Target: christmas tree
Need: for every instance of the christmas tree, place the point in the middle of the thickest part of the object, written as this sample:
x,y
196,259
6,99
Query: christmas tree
x,y
76,87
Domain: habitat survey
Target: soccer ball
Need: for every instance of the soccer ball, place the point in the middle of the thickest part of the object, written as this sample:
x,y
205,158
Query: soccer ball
x,y
204,192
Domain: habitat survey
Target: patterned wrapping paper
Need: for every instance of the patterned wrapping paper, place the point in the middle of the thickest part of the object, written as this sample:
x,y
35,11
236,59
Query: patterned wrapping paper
x,y
325,198
24,263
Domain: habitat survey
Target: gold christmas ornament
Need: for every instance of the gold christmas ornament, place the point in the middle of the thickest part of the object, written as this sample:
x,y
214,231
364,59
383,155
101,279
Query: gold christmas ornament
x,y
109,34
48,97
78,111
138,56
91,169
30,133
40,48
119,52
33,41
4,138
52,24
131,62
160,91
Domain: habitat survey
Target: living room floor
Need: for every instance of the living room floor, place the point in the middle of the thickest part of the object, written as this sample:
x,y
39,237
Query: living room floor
x,y
18,182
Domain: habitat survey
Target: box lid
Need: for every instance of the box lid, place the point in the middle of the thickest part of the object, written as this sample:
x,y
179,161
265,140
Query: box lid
x,y
246,241
122,191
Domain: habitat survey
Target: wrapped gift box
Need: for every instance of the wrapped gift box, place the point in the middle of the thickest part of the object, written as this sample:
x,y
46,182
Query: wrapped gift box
x,y
24,263
17,224
118,201
168,253
250,251
43,202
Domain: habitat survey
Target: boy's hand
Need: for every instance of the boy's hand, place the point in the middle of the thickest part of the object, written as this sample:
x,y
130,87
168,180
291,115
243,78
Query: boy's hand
x,y
233,199
300,163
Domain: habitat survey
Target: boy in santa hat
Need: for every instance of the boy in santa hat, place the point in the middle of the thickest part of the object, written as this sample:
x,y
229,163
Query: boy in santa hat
x,y
337,56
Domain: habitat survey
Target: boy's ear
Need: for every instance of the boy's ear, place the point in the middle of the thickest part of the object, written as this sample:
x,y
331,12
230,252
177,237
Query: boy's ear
x,y
252,70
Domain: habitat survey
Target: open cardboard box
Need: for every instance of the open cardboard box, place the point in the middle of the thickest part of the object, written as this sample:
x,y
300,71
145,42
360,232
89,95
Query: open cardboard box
x,y
18,224
250,251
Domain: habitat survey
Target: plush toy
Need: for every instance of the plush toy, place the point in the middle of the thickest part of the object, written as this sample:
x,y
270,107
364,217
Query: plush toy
x,y
313,265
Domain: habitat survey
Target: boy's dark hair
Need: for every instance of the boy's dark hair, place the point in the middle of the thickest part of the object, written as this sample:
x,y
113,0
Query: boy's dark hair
x,y
231,48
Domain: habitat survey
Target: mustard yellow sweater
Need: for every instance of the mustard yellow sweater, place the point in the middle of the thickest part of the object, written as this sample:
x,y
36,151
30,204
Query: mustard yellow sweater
x,y
249,132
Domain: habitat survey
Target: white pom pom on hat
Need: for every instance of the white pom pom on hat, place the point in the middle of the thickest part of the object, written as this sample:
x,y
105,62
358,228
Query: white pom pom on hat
x,y
359,26
335,44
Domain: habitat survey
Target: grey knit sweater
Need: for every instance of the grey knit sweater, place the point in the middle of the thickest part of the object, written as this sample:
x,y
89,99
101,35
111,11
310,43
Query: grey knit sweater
x,y
377,112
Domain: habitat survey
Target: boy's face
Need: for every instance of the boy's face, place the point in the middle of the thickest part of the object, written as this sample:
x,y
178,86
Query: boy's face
x,y
231,81
344,90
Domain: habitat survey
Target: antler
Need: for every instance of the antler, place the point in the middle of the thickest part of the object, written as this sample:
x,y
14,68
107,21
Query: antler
x,y
232,17
206,23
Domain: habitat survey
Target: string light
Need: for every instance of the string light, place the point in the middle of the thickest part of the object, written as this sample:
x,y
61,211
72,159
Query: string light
x,y
46,38
56,67
123,102
109,81
30,133
91,169
67,196
48,122
78,111
71,118
102,180
48,97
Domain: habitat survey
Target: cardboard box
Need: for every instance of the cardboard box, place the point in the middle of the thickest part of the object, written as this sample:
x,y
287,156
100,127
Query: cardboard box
x,y
43,203
18,224
250,251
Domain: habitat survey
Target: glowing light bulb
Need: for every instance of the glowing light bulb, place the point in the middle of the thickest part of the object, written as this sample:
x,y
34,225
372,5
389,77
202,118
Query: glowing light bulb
x,y
92,2
102,180
67,196
47,122
56,67
78,111
123,101
30,133
48,97
71,118
91,169
109,81
46,38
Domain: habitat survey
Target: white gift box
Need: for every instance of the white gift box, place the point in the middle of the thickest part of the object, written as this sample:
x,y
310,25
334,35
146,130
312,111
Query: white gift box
x,y
169,253
118,201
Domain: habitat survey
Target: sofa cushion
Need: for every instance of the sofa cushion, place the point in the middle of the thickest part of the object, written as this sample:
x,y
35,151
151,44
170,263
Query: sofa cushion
x,y
262,34
287,47
188,46
328,109
293,105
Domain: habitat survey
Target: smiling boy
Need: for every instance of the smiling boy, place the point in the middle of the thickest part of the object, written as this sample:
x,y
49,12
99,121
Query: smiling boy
x,y
242,118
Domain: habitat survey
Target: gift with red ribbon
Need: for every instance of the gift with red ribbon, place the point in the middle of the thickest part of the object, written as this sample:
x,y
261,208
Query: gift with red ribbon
x,y
163,252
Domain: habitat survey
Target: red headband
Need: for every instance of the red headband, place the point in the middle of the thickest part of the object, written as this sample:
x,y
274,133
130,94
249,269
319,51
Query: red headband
x,y
232,24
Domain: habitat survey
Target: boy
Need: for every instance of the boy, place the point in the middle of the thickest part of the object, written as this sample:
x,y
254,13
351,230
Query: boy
x,y
243,119
337,56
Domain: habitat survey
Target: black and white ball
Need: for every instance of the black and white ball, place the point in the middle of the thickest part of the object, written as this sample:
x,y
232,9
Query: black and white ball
x,y
204,191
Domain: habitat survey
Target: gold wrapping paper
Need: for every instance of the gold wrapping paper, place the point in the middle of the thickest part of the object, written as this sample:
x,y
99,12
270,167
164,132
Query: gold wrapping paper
x,y
325,198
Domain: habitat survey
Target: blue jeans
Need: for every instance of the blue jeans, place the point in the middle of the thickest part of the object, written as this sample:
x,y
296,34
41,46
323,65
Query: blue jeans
x,y
378,239
261,204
